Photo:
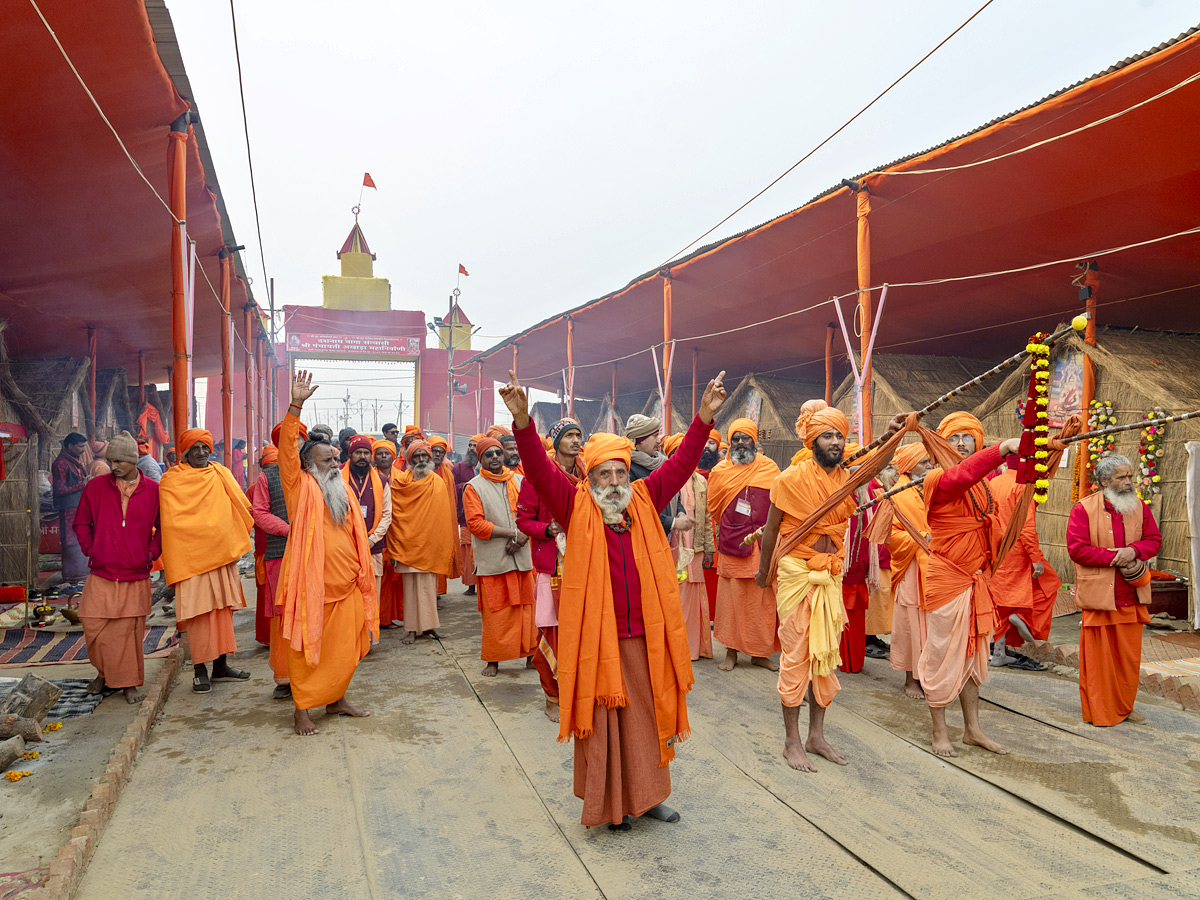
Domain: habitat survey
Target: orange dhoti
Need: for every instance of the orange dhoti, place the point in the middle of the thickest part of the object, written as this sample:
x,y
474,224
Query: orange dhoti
x,y
204,605
795,662
908,622
617,771
114,623
420,599
507,605
467,555
1110,659
944,666
694,598
746,617
278,654
344,641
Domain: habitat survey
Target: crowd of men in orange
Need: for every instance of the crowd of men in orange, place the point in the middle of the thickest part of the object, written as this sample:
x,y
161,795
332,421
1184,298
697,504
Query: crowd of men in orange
x,y
602,561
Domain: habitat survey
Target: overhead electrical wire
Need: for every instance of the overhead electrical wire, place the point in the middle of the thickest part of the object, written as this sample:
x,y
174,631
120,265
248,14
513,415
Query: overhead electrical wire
x,y
249,158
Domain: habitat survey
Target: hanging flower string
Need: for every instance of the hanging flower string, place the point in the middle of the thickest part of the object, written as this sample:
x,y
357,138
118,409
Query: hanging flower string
x,y
1150,451
1035,421
1102,416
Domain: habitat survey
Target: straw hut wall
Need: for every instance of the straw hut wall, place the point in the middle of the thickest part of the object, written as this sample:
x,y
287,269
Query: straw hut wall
x,y
546,413
1135,371
902,383
774,404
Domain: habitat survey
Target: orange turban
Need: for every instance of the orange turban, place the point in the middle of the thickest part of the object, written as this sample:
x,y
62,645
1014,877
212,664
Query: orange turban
x,y
411,429
907,456
412,448
743,426
436,441
602,448
275,433
193,436
724,446
497,431
671,444
823,420
385,444
958,422
714,435
484,443
476,439
270,455
807,408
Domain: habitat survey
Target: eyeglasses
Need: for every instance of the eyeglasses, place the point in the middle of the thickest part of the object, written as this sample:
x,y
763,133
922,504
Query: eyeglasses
x,y
490,453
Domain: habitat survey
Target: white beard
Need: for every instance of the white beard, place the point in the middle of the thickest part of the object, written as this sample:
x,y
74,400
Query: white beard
x,y
1123,503
742,456
612,501
421,470
333,489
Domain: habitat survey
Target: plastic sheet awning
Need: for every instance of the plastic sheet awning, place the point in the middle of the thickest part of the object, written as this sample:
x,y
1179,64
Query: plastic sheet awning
x,y
1111,162
83,239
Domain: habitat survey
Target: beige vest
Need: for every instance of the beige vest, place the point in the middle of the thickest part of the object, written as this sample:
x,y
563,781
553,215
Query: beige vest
x,y
490,558
1095,588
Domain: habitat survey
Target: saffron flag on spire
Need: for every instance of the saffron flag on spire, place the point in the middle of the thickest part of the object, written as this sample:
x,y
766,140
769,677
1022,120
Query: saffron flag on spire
x,y
462,270
368,181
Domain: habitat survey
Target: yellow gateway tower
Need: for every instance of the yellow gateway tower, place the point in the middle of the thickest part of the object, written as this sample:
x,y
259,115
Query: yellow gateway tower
x,y
357,287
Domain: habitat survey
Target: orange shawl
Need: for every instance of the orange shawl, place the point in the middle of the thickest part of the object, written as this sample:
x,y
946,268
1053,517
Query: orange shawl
x,y
206,520
727,480
902,546
447,473
797,493
589,664
376,491
301,589
421,534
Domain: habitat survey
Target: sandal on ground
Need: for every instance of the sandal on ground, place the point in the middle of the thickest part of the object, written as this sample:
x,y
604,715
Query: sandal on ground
x,y
201,685
282,692
1026,664
231,674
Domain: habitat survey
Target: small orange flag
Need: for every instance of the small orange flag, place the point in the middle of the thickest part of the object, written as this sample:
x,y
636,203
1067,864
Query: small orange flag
x,y
462,270
368,181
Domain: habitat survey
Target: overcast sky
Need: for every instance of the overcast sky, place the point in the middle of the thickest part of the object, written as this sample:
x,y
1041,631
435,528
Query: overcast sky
x,y
557,150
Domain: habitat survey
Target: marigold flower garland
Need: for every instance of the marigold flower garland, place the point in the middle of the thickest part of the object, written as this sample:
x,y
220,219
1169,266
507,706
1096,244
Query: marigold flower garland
x,y
1036,436
1150,451
1102,416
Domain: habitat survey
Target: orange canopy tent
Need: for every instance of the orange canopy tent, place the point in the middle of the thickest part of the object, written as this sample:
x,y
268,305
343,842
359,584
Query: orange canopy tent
x,y
84,241
1051,182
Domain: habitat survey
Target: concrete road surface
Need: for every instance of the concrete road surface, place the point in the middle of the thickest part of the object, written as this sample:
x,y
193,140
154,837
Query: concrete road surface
x,y
456,788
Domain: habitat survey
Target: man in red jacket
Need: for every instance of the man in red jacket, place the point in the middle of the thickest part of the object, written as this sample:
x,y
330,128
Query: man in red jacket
x,y
117,526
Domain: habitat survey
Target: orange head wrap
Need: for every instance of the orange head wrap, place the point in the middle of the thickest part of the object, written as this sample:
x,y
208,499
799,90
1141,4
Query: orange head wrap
x,y
958,422
412,429
484,443
279,426
724,446
671,444
714,435
823,420
907,456
193,436
602,447
412,448
497,431
743,426
476,439
436,441
807,408
270,455
385,444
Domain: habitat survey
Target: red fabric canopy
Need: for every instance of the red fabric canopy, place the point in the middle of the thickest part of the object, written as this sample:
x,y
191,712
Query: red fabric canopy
x,y
83,240
1132,179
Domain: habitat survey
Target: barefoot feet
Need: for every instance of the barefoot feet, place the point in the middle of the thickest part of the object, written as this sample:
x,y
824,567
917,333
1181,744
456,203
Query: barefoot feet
x,y
134,695
409,638
793,752
764,662
552,711
821,747
303,724
912,687
730,660
943,747
342,708
979,739
96,685
490,670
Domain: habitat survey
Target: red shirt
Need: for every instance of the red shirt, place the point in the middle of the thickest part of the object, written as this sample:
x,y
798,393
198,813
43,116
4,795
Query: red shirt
x,y
1083,551
557,492
120,547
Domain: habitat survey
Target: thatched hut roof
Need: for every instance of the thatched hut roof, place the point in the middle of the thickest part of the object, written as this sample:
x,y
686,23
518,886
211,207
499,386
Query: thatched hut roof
x,y
546,413
903,383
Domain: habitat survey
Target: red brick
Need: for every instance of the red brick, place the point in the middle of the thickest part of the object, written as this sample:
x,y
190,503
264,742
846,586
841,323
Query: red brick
x,y
57,888
1189,694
